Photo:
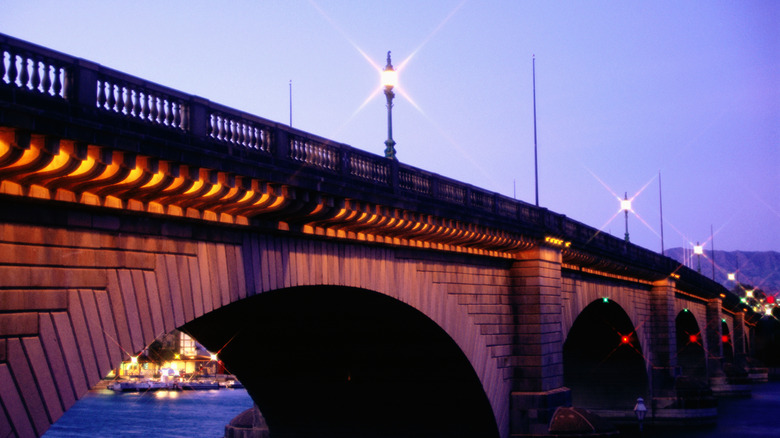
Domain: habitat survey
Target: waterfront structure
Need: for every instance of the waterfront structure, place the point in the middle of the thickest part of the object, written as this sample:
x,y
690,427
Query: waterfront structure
x,y
171,355
375,293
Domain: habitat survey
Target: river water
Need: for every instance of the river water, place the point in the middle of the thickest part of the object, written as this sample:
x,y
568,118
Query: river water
x,y
164,414
192,414
755,417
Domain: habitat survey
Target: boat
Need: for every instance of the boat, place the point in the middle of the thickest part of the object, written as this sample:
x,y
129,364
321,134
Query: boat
x,y
129,386
195,385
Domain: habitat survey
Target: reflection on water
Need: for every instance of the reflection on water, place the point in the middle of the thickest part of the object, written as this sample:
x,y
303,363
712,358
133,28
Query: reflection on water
x,y
191,414
170,414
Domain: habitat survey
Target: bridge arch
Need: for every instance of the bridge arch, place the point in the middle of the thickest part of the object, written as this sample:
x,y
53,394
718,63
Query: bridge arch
x,y
691,356
109,286
340,361
602,358
728,342
766,341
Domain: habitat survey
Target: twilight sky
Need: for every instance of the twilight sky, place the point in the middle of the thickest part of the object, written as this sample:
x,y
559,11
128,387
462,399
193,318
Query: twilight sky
x,y
625,90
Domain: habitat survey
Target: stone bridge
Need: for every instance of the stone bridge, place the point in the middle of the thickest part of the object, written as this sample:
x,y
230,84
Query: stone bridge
x,y
351,294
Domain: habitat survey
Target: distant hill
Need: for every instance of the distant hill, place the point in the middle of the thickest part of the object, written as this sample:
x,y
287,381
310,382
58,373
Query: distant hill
x,y
759,269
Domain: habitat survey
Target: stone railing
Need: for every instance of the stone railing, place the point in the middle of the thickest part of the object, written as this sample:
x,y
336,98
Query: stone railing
x,y
101,95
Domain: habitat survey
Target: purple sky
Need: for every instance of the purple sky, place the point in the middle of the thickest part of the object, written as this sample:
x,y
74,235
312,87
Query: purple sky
x,y
624,90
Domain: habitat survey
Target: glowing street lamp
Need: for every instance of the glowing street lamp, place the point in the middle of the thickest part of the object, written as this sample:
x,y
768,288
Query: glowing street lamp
x,y
389,80
732,276
698,250
625,205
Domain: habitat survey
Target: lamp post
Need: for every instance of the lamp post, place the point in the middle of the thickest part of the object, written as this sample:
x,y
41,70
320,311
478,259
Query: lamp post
x,y
389,80
640,410
625,205
698,250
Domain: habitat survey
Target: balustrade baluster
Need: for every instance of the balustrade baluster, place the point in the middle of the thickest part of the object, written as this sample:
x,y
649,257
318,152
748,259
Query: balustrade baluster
x,y
294,149
119,95
59,85
24,77
176,114
124,95
101,96
133,111
210,129
143,101
110,97
221,127
2,65
168,113
13,71
252,132
153,112
160,111
36,75
47,71
268,140
131,102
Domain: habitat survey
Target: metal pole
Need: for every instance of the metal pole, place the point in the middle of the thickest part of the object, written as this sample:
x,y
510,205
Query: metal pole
x,y
712,241
698,260
389,143
536,164
661,208
625,196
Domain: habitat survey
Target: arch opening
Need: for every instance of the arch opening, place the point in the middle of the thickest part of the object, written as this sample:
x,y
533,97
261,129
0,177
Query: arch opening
x,y
602,359
336,361
767,341
728,345
691,357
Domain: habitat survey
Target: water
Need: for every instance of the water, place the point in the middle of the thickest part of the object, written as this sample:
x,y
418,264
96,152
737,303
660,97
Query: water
x,y
166,414
755,417
191,414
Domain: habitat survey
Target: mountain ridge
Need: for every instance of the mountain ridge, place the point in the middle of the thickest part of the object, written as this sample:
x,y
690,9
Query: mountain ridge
x,y
760,269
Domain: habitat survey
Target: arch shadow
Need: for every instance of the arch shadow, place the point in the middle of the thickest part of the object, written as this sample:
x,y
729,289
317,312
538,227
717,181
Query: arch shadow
x,y
602,359
691,357
333,361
